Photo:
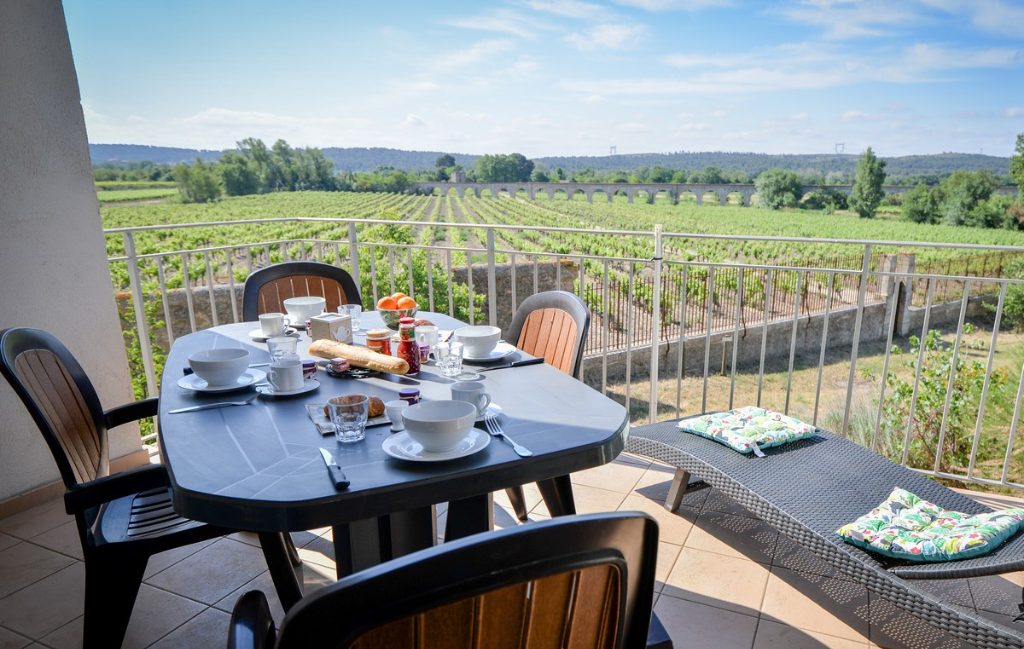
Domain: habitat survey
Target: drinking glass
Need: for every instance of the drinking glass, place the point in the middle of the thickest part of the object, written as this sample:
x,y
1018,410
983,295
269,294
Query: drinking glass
x,y
353,311
449,358
281,345
348,414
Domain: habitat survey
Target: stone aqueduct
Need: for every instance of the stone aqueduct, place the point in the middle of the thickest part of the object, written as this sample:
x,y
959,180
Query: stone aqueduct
x,y
633,190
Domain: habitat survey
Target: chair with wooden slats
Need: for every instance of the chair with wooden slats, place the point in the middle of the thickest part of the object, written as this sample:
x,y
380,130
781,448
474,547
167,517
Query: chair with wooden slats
x,y
124,518
578,582
553,325
267,288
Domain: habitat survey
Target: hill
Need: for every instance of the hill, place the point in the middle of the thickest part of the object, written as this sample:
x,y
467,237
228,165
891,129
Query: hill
x,y
368,159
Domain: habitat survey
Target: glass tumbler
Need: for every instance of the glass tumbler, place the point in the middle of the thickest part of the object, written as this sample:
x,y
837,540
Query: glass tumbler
x,y
353,311
348,414
278,346
449,358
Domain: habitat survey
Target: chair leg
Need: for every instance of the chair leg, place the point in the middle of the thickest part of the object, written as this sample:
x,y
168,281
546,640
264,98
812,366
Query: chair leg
x,y
111,586
287,576
518,500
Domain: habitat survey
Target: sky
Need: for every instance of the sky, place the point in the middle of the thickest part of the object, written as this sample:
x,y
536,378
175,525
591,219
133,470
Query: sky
x,y
555,77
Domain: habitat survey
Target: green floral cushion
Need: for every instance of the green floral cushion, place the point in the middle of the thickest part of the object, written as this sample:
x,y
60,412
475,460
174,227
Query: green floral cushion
x,y
907,527
749,429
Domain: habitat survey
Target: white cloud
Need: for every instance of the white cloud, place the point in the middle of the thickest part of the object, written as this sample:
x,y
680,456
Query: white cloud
x,y
633,127
414,121
854,116
674,5
568,8
846,19
998,17
137,120
425,86
473,54
718,114
1015,111
221,117
503,21
608,37
524,68
593,99
799,117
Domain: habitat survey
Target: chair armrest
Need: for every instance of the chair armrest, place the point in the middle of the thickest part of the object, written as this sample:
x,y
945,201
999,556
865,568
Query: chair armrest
x,y
251,626
131,412
91,494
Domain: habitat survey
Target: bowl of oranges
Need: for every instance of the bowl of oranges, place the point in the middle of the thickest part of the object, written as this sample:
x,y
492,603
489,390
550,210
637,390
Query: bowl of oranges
x,y
394,307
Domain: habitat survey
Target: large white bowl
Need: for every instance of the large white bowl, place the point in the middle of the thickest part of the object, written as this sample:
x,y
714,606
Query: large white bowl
x,y
439,425
220,367
303,308
478,341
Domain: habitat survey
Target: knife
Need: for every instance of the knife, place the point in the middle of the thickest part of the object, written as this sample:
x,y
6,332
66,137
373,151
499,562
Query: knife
x,y
337,476
529,361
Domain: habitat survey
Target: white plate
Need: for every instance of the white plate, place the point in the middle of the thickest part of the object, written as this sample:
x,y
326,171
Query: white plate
x,y
260,337
401,447
193,382
308,385
500,351
493,410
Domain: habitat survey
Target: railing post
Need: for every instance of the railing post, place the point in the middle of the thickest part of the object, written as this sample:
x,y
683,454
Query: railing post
x,y
861,294
652,415
492,282
353,253
140,314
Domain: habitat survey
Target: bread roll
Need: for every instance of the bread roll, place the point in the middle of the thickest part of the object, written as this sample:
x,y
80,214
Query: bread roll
x,y
359,356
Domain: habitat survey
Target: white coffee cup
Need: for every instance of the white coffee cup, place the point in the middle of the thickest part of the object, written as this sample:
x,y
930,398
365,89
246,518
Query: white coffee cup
x,y
394,411
473,392
285,374
272,324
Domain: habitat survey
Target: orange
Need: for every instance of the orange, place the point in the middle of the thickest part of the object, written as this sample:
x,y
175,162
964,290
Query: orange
x,y
398,296
387,302
406,302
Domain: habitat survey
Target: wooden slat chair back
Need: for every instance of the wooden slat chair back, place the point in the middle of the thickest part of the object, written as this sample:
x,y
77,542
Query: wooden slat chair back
x,y
123,518
576,582
574,610
552,324
267,288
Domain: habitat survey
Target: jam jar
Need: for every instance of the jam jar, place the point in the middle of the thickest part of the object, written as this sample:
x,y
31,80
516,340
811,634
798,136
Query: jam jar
x,y
379,340
408,348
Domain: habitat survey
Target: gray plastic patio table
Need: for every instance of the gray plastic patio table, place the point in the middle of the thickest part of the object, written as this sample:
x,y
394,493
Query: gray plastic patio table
x,y
258,467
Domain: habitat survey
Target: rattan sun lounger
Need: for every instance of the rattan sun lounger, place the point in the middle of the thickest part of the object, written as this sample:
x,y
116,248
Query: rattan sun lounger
x,y
809,488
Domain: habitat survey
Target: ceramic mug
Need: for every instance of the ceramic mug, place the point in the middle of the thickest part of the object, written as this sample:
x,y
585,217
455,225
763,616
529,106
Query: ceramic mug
x,y
474,392
272,324
285,374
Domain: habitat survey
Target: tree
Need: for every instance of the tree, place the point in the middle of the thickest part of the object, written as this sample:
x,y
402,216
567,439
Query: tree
x,y
197,183
445,161
921,205
867,186
778,188
239,173
1017,167
712,175
660,174
503,168
962,191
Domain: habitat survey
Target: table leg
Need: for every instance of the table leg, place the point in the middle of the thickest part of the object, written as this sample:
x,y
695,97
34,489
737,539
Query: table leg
x,y
287,576
371,541
557,494
469,516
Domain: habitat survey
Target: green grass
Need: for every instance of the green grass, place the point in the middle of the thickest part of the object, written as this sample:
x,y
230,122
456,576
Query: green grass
x,y
128,195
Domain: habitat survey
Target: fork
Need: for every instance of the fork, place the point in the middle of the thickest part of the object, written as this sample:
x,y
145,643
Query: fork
x,y
220,404
494,428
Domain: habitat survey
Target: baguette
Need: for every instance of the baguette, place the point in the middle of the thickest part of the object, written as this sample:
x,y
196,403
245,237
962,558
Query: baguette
x,y
359,356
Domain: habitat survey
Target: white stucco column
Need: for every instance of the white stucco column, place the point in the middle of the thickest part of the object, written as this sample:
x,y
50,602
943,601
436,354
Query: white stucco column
x,y
53,268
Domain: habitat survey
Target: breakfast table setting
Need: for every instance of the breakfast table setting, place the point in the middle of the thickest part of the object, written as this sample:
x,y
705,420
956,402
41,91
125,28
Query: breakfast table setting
x,y
365,422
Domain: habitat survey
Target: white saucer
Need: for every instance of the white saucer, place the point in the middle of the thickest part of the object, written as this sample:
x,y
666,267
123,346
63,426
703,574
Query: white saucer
x,y
493,410
258,336
500,351
308,385
193,382
401,447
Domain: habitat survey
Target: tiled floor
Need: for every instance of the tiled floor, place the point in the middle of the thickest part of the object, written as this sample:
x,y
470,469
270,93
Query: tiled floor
x,y
726,580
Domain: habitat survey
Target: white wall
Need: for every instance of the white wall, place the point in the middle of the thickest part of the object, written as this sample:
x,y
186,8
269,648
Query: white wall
x,y
53,268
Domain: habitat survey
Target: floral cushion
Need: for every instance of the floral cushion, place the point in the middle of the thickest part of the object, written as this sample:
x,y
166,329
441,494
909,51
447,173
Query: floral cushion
x,y
907,527
749,429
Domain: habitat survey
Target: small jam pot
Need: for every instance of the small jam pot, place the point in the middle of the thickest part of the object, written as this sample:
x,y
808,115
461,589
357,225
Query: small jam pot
x,y
379,340
309,369
410,395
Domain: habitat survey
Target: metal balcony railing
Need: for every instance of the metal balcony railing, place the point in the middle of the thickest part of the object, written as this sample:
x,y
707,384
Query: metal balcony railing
x,y
830,341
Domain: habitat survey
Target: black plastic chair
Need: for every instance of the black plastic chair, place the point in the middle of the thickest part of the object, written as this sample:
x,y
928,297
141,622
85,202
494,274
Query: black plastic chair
x,y
554,325
581,581
124,518
267,288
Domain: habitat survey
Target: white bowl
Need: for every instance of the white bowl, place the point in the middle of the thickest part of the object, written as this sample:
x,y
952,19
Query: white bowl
x,y
439,425
479,340
303,308
220,367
